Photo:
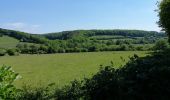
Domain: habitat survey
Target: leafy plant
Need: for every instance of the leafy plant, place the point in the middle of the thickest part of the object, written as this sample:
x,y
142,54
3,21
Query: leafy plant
x,y
7,90
2,52
12,52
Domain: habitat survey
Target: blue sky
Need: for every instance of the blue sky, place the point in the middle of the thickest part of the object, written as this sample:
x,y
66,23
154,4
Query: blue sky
x,y
43,16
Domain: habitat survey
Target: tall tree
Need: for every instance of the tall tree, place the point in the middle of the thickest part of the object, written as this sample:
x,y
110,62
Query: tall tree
x,y
164,14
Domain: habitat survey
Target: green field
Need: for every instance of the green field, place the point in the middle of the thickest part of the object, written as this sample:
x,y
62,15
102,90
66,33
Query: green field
x,y
62,68
8,42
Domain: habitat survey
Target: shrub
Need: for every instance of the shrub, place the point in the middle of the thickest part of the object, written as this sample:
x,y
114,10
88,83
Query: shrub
x,y
124,47
161,45
2,52
7,89
72,92
36,93
13,52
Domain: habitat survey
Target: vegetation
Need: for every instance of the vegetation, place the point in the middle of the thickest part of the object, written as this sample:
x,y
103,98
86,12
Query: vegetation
x,y
161,45
7,89
2,52
164,15
139,79
84,41
13,52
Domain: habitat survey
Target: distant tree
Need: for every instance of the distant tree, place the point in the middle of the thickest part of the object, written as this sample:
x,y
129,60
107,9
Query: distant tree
x,y
139,48
124,47
1,35
164,14
51,49
2,52
119,42
61,50
43,49
161,45
12,52
34,49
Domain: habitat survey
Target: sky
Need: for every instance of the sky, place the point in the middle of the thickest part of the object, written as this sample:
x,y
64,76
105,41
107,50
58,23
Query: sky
x,y
45,16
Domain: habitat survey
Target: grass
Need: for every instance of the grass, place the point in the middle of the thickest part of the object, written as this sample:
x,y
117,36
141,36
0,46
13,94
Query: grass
x,y
8,42
62,68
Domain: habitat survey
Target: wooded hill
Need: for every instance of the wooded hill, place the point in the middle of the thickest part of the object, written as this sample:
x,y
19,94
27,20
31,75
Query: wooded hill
x,y
84,40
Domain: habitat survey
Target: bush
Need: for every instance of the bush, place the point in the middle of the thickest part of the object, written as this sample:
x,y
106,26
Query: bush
x,y
161,45
72,92
2,52
7,89
36,93
123,47
13,52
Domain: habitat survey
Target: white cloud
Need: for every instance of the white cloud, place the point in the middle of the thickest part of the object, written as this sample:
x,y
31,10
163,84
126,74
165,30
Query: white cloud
x,y
20,26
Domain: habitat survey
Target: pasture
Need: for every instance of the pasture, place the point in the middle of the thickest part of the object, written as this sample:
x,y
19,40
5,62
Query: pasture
x,y
63,68
8,42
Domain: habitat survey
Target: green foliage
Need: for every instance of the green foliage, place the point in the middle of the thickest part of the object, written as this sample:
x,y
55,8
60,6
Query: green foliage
x,y
7,89
36,93
72,92
2,52
81,41
161,45
164,14
89,33
13,52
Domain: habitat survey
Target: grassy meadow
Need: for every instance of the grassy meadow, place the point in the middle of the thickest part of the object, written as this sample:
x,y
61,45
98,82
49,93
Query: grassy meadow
x,y
8,42
62,68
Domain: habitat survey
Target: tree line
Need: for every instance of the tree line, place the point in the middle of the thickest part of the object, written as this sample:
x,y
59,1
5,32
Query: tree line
x,y
84,41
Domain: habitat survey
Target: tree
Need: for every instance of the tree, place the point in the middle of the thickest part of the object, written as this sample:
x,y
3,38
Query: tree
x,y
13,52
33,49
1,35
164,14
2,52
161,45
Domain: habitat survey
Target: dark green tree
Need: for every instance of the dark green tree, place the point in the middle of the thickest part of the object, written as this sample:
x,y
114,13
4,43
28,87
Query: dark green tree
x,y
164,14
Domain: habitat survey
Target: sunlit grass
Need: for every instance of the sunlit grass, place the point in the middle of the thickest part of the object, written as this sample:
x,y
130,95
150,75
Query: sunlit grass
x,y
62,68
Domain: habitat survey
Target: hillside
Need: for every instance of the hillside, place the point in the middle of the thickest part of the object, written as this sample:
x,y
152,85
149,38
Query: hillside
x,y
8,42
90,33
82,40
